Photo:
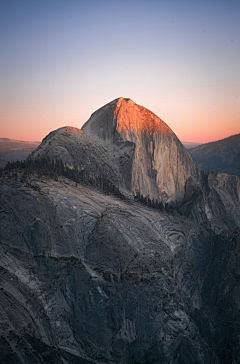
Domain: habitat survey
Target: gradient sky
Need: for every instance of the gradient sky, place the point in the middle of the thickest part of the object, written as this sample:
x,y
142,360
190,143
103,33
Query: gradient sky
x,y
60,60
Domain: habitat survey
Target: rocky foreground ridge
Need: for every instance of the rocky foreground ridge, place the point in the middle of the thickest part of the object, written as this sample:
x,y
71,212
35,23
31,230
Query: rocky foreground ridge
x,y
89,277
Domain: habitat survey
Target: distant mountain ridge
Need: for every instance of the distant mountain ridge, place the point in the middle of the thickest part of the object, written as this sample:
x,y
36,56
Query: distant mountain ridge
x,y
190,145
220,156
13,150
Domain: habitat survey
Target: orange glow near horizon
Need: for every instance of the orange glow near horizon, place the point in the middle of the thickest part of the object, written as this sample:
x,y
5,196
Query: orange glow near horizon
x,y
20,124
61,61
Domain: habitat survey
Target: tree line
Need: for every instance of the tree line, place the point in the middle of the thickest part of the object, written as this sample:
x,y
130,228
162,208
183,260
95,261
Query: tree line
x,y
156,204
55,167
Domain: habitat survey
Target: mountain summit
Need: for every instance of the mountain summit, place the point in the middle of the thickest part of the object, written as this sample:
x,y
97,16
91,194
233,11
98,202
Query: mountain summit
x,y
90,276
125,117
160,165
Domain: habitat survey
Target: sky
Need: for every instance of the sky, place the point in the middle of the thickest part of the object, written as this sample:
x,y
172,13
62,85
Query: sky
x,y
60,60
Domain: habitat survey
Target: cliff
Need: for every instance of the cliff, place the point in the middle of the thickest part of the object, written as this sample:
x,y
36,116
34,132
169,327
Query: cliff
x,y
88,278
160,165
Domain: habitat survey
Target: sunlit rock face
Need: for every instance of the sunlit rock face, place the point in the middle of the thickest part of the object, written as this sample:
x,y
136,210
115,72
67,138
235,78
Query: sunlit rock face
x,y
135,150
160,165
129,145
88,278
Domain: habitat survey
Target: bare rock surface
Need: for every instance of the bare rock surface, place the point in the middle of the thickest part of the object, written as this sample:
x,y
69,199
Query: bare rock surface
x,y
138,152
160,163
213,200
130,145
88,278
78,150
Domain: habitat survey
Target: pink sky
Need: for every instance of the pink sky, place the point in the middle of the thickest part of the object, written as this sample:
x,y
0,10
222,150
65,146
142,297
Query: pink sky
x,y
62,61
34,123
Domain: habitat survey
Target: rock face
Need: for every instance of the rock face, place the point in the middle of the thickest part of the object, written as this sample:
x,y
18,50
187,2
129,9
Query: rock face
x,y
88,278
213,200
130,145
221,156
77,150
160,164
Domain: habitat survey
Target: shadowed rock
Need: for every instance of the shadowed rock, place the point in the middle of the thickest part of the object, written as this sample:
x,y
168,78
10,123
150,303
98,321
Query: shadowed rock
x,y
87,278
213,200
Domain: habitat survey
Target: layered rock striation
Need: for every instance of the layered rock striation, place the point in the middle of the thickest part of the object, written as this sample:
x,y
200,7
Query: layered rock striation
x,y
137,152
213,200
88,278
